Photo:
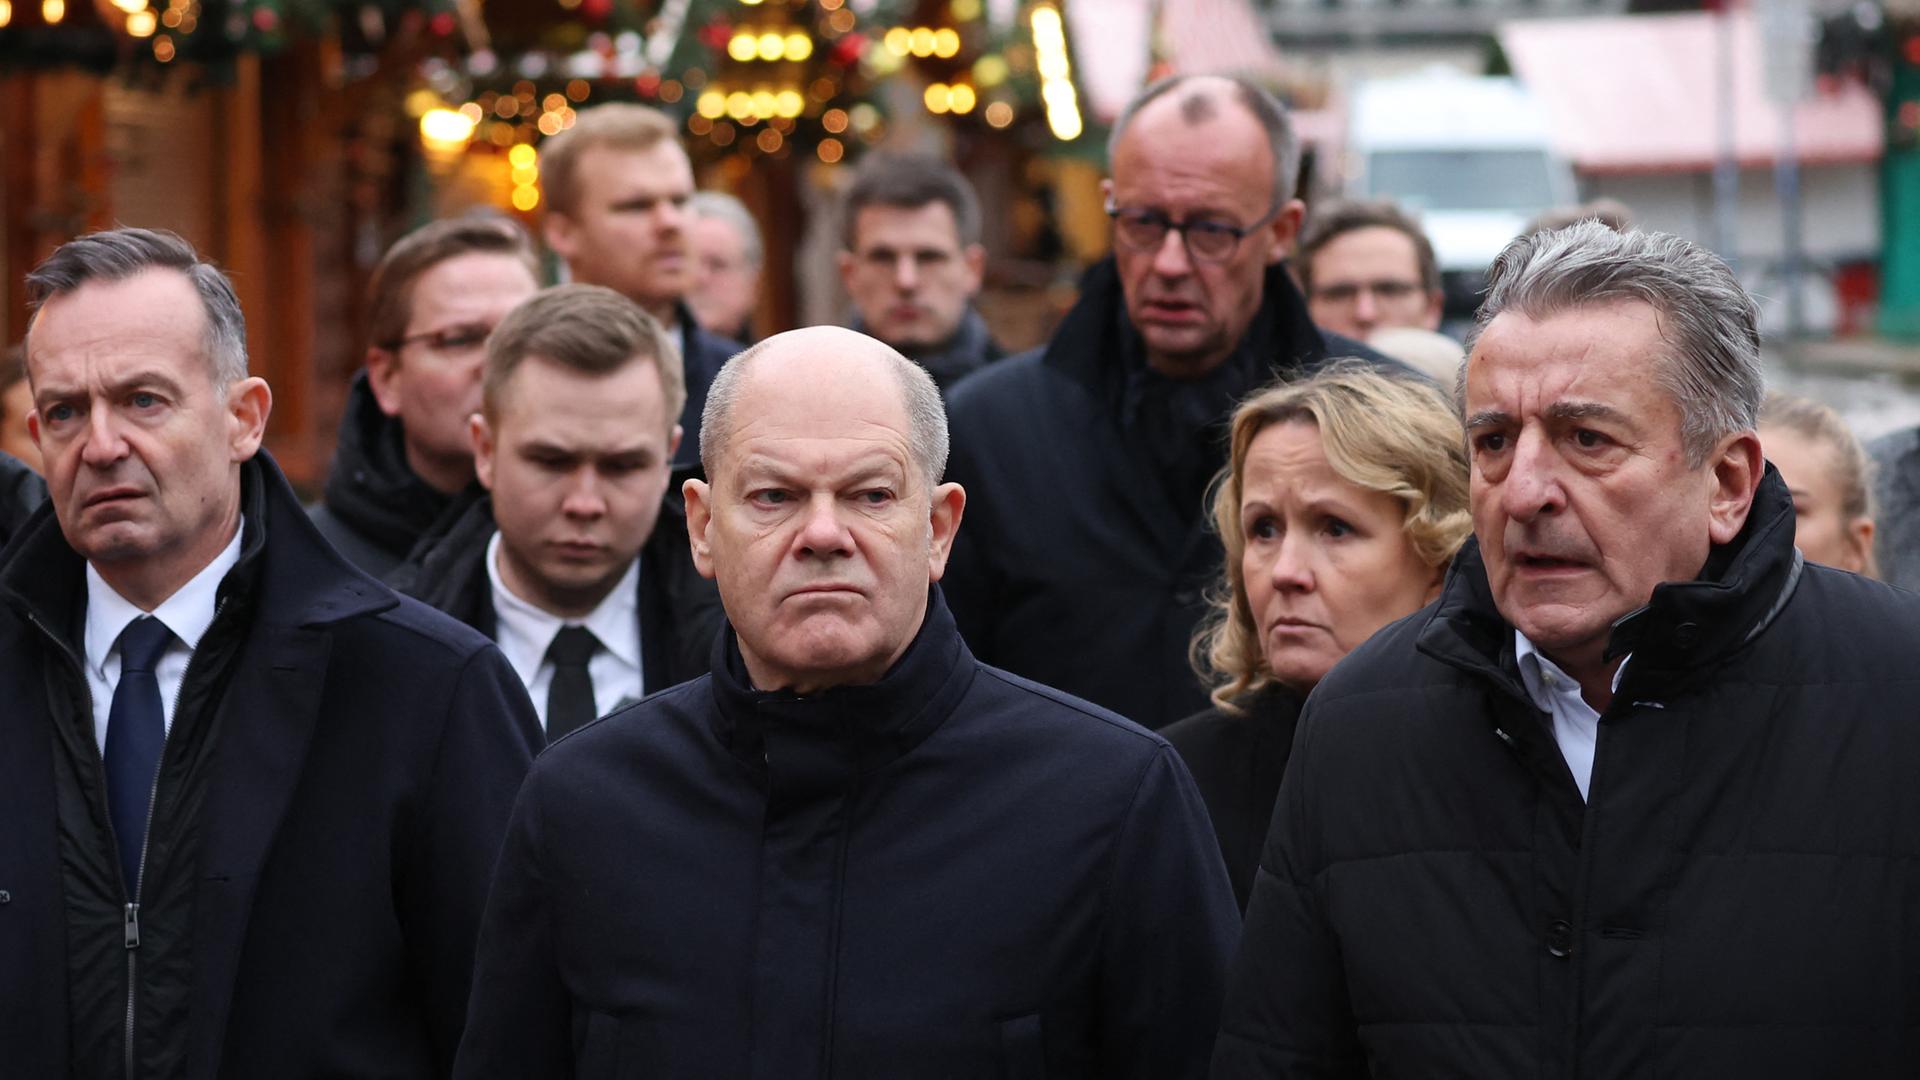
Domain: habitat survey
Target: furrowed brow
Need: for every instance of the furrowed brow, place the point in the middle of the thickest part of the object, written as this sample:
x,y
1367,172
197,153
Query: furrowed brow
x,y
1566,411
1489,418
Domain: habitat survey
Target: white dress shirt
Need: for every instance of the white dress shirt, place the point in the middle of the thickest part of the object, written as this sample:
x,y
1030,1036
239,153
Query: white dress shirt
x,y
188,613
1576,726
524,632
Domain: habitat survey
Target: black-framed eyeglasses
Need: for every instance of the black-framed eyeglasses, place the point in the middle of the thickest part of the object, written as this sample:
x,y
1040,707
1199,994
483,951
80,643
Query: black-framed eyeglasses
x,y
453,339
1207,239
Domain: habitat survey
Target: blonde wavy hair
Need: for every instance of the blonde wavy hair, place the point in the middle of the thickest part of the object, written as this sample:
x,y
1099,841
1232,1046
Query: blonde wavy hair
x,y
1388,434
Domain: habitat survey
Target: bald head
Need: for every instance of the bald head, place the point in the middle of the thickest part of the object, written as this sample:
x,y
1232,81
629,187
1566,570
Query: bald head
x,y
1193,101
816,370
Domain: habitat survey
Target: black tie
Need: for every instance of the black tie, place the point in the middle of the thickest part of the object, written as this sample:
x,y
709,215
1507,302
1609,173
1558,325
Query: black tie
x,y
570,698
136,732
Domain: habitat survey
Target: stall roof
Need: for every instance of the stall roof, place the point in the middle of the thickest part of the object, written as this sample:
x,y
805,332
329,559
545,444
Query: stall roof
x,y
1637,93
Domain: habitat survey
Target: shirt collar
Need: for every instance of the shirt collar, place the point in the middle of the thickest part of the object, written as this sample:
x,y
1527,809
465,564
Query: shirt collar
x,y
614,621
187,613
1545,680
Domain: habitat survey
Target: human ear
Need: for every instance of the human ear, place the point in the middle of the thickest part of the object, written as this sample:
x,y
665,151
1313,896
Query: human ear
x,y
949,504
383,378
249,401
697,494
480,434
1284,229
1734,472
1859,534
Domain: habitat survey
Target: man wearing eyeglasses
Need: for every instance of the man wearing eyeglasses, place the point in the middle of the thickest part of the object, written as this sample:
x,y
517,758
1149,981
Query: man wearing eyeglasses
x,y
1085,556
1366,266
403,449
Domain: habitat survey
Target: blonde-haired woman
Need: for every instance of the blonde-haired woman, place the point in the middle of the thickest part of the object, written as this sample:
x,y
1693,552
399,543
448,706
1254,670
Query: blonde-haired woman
x,y
1830,477
1343,499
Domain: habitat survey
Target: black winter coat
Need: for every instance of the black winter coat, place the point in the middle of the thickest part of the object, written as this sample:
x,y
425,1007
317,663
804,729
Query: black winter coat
x,y
331,798
21,493
1076,567
703,356
373,508
1740,897
679,610
950,873
1237,760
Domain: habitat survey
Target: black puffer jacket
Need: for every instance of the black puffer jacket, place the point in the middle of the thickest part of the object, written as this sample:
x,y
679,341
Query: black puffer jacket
x,y
374,508
1740,897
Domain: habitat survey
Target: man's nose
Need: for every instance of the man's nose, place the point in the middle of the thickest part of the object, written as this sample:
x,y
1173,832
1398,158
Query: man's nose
x,y
822,532
1532,486
585,496
1170,259
906,273
1365,311
104,443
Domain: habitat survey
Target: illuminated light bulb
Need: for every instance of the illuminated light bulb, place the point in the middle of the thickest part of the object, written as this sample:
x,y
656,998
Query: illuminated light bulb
x,y
525,198
946,43
961,98
999,114
990,70
1053,65
920,42
523,175
163,49
549,123
831,151
763,103
130,6
440,129
788,103
712,105
142,23
936,98
472,111
834,120
739,105
743,47
553,102
772,46
799,46
6,12
523,156
899,41
53,11
965,10
769,140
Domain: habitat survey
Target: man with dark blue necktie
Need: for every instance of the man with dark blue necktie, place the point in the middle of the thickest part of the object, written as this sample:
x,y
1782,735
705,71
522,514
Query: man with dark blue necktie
x,y
250,796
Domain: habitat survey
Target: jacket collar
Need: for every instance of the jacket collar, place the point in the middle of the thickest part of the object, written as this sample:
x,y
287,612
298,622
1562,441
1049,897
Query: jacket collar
x,y
370,486
969,348
1281,337
297,581
1683,629
819,741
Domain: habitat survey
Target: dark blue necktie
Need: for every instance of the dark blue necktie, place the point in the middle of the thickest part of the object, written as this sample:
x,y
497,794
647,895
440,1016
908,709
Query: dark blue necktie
x,y
570,696
136,731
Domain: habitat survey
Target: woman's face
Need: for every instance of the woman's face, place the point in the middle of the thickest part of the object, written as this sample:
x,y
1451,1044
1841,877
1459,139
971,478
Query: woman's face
x,y
1821,529
1326,562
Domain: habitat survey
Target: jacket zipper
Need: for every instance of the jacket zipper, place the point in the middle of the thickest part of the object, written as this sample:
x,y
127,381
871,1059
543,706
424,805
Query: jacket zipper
x,y
130,919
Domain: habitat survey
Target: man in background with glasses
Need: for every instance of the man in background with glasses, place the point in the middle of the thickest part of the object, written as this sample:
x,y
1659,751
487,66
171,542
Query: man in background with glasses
x,y
403,450
1366,266
1086,554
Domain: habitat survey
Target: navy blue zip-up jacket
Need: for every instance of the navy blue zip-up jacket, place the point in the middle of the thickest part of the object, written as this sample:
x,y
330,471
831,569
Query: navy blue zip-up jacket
x,y
950,873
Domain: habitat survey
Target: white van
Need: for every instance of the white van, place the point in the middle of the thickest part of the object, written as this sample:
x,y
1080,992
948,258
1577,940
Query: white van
x,y
1469,156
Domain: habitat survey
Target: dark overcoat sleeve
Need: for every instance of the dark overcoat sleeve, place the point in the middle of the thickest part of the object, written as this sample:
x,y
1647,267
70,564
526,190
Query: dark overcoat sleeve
x,y
1172,926
520,1022
487,742
1288,1013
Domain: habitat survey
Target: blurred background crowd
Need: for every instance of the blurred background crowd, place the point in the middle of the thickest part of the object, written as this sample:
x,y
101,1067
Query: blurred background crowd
x,y
294,141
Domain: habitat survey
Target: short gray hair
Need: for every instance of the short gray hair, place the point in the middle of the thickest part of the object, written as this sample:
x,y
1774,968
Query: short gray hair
x,y
1197,107
720,206
927,436
119,254
1711,366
